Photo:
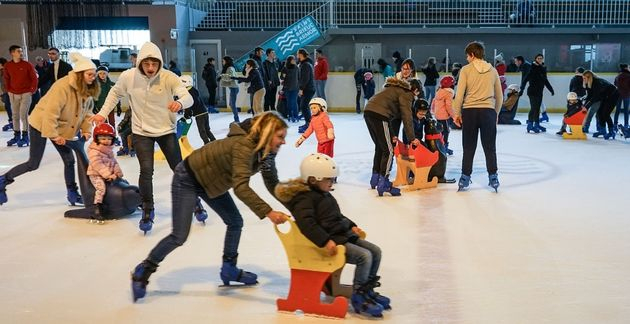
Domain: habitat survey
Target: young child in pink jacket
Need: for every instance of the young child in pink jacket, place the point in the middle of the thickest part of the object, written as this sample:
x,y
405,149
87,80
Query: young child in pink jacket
x,y
442,107
321,125
103,166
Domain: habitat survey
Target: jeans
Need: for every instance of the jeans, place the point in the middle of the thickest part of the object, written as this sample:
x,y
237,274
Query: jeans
x,y
7,106
144,147
475,121
36,153
367,258
626,103
184,191
203,125
233,94
292,104
320,89
429,93
305,99
591,112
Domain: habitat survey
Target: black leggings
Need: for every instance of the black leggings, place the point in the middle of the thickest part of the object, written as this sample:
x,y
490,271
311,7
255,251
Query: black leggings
x,y
605,109
380,132
534,111
476,121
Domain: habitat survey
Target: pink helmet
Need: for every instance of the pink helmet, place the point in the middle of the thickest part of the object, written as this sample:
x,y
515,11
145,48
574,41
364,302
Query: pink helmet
x,y
447,82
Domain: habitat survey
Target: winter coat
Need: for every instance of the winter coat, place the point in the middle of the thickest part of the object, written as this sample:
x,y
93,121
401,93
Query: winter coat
x,y
306,76
19,78
321,68
369,88
106,86
316,213
577,85
431,74
62,112
226,78
573,109
198,108
322,126
359,75
102,161
209,75
227,164
387,71
511,100
599,90
524,68
478,87
149,97
270,72
255,80
622,81
64,69
537,79
443,104
501,68
259,62
290,75
393,103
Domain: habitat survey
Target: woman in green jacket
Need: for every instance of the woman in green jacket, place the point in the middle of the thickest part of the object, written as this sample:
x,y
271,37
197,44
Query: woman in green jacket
x,y
209,173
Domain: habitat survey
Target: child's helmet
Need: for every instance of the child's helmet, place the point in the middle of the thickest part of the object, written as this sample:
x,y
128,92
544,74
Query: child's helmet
x,y
368,76
572,96
420,104
514,87
319,101
103,129
186,80
447,81
319,166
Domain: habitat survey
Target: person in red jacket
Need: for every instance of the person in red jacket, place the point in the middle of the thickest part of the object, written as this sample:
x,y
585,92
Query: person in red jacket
x,y
321,74
322,126
20,81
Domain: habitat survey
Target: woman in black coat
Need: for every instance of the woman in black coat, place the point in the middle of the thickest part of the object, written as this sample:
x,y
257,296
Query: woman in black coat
x,y
537,79
606,94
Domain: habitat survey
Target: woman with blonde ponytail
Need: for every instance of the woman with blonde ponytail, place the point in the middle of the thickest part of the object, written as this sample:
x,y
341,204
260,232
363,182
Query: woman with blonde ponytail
x,y
209,173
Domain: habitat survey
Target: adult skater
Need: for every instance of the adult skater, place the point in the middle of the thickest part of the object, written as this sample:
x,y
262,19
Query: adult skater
x,y
210,172
58,116
390,104
537,78
602,96
150,88
477,103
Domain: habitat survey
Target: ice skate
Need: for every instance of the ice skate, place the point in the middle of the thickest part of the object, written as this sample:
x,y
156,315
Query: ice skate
x,y
374,180
544,117
16,138
140,279
493,181
530,127
8,126
146,222
200,213
3,190
464,182
229,272
362,303
24,140
384,185
97,217
378,298
74,197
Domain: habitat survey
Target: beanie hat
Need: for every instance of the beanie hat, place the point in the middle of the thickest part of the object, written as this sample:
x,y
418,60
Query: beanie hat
x,y
80,62
102,68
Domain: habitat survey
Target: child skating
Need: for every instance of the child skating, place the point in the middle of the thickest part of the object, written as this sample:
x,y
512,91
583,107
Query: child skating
x,y
322,126
443,107
103,166
319,218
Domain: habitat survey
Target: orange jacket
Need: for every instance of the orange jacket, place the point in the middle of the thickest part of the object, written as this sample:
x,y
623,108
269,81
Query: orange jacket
x,y
322,126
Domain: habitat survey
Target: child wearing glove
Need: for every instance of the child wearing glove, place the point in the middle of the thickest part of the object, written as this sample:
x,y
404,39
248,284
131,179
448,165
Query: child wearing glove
x,y
321,125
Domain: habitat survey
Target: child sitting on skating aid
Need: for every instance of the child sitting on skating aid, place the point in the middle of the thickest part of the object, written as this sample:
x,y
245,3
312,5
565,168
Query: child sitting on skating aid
x,y
574,106
103,166
321,125
319,218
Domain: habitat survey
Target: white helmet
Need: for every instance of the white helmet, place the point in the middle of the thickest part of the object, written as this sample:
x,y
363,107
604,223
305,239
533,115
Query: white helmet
x,y
186,80
572,96
514,87
321,102
319,166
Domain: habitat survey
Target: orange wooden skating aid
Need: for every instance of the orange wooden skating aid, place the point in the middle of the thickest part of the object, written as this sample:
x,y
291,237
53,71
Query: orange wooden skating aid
x,y
419,161
575,125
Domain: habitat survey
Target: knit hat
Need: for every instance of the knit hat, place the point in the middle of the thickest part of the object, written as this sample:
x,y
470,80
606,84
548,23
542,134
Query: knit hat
x,y
80,62
102,68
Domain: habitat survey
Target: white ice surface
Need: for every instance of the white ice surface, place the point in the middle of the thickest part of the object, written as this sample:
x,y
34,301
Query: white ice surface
x,y
553,246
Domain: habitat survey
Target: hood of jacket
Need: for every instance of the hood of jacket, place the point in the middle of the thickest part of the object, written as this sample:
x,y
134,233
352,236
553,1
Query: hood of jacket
x,y
481,66
285,191
236,130
149,49
394,82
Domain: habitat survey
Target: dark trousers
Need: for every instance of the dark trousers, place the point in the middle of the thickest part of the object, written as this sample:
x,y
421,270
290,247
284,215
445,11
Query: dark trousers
x,y
292,103
144,147
380,132
622,106
475,121
184,191
305,98
605,109
534,111
7,106
270,98
36,153
357,98
445,130
212,94
203,125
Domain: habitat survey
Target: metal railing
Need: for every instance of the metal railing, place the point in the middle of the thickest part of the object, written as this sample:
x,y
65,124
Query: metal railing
x,y
278,14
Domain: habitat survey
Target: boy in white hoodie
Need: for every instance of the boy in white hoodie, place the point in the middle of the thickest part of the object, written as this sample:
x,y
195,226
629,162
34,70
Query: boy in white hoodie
x,y
477,103
150,89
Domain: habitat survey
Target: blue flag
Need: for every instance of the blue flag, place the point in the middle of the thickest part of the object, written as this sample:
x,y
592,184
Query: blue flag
x,y
288,41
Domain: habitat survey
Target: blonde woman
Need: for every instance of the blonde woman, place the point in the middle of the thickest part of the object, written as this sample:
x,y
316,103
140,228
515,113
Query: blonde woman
x,y
601,98
209,173
64,110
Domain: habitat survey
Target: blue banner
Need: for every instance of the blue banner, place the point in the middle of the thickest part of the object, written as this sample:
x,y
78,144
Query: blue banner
x,y
288,41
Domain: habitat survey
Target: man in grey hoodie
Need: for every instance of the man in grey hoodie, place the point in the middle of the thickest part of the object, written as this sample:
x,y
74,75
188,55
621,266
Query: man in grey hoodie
x,y
150,89
477,104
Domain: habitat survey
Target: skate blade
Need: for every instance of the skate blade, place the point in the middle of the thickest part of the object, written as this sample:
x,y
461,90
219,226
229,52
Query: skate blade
x,y
96,221
238,286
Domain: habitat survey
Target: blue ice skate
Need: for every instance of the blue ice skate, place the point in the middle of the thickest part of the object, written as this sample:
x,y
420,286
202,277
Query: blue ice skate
x,y
374,180
140,279
200,213
464,182
384,185
362,303
229,272
146,222
74,197
378,298
3,190
493,181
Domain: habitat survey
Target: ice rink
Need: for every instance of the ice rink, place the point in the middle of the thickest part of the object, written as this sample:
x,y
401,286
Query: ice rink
x,y
553,246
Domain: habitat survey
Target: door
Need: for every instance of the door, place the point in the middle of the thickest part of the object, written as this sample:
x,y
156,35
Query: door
x,y
203,49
